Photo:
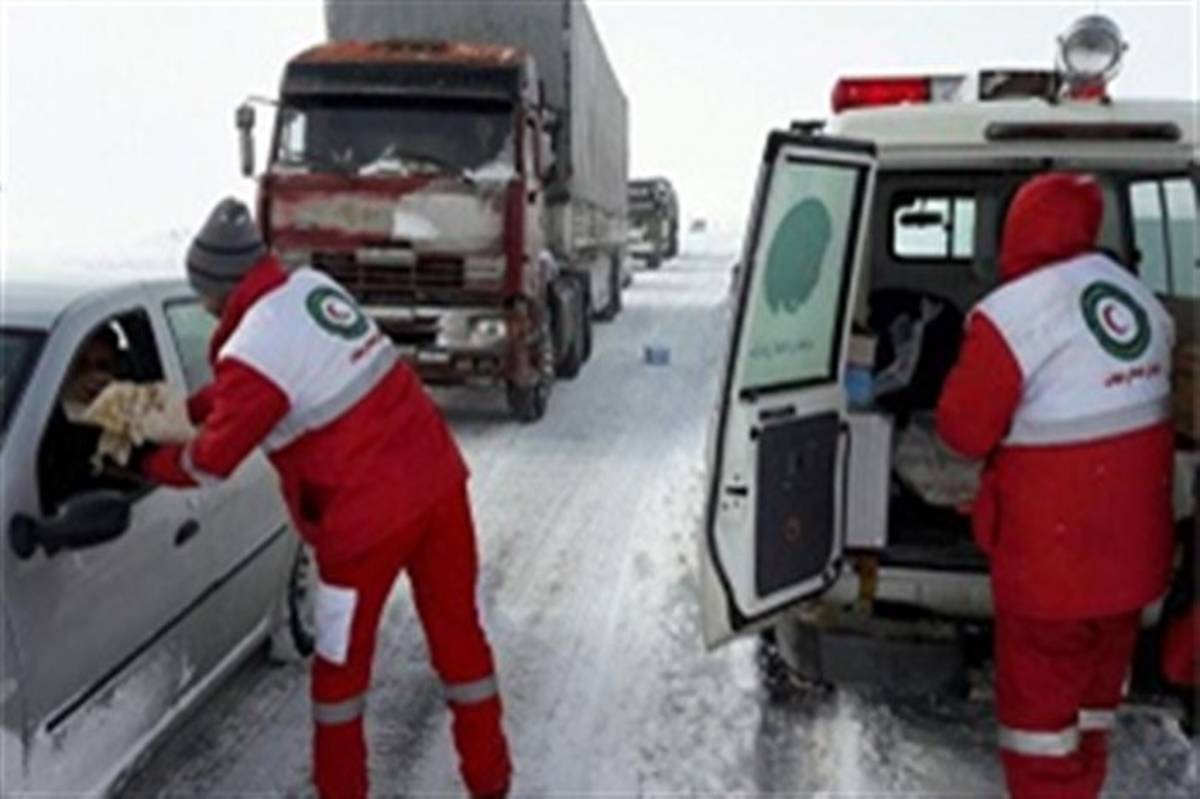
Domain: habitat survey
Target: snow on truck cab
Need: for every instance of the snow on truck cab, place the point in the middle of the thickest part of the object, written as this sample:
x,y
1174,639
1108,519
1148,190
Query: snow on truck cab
x,y
414,173
834,523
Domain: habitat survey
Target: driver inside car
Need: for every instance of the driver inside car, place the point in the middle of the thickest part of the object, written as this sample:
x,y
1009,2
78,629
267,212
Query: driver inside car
x,y
65,458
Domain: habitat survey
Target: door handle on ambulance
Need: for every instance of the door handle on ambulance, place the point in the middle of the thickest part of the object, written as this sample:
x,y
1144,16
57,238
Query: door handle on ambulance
x,y
186,532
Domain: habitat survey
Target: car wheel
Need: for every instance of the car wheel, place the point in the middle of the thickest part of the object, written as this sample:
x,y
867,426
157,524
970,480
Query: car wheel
x,y
528,402
294,637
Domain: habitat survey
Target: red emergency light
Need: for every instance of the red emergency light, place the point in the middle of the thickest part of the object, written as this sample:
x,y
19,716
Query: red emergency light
x,y
867,92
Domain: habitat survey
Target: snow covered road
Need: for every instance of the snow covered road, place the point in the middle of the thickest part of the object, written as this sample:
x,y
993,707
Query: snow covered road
x,y
586,527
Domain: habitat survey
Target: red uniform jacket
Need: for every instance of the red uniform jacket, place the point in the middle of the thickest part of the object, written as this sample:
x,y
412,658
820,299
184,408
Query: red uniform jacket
x,y
1077,526
350,482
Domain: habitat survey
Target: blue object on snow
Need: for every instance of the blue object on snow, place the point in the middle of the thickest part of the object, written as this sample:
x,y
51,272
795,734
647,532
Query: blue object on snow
x,y
656,355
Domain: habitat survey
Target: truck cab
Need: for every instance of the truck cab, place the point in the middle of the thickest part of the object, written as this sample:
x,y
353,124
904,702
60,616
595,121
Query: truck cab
x,y
653,221
836,522
413,173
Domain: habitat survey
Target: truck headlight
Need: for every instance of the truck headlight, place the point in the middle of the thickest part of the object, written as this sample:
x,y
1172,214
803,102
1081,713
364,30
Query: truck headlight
x,y
488,329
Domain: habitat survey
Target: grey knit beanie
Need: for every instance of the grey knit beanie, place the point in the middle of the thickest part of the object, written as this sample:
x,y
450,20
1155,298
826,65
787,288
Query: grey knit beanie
x,y
224,250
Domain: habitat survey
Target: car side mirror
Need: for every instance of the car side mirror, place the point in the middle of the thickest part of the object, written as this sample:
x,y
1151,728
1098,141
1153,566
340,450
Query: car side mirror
x,y
83,521
244,119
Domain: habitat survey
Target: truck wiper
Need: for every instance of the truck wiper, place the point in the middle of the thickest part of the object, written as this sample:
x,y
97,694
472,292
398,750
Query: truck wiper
x,y
393,155
343,168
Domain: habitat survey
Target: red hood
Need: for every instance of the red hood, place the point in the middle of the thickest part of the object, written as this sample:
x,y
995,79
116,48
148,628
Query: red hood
x,y
1053,217
263,277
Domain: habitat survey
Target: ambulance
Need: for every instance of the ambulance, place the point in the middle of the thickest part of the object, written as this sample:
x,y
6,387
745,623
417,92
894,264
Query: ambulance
x,y
836,524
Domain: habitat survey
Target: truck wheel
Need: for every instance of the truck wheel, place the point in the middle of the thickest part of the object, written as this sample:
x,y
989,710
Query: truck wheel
x,y
528,402
610,311
654,261
575,354
294,637
587,325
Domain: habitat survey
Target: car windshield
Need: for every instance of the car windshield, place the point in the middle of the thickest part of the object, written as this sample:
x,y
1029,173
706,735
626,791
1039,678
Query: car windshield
x,y
18,352
329,135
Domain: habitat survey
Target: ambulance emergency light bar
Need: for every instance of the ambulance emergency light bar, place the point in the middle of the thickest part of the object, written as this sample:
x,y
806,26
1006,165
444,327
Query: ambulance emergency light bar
x,y
1089,56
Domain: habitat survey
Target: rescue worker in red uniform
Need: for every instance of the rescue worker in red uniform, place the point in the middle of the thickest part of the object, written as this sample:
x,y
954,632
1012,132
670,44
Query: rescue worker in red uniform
x,y
372,478
1062,385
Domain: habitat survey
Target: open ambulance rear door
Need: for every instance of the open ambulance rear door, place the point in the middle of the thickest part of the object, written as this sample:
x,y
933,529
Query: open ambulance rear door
x,y
773,530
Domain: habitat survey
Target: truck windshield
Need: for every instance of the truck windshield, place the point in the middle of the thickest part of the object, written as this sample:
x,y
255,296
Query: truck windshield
x,y
404,138
18,353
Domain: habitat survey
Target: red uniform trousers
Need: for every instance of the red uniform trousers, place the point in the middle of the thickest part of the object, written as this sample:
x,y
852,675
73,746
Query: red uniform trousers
x,y
1058,685
439,553
1181,649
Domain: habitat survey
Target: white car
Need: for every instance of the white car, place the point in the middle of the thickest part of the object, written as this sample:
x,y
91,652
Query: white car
x,y
834,524
123,603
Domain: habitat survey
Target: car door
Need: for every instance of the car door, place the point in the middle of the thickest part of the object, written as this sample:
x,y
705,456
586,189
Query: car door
x,y
244,533
92,626
773,526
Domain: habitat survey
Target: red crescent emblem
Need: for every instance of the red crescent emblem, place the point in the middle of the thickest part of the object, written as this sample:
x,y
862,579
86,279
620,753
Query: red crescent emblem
x,y
337,314
1112,323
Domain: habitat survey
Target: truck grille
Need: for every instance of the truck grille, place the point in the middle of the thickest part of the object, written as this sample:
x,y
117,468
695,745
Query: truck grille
x,y
389,283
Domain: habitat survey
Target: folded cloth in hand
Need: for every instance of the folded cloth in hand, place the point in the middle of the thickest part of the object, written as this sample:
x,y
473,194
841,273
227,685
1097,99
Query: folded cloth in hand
x,y
132,414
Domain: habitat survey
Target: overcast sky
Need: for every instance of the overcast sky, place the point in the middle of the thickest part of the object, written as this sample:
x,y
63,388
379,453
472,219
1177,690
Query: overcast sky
x,y
118,117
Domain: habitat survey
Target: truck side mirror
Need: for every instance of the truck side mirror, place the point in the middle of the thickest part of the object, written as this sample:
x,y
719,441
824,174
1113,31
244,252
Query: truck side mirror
x,y
546,153
244,118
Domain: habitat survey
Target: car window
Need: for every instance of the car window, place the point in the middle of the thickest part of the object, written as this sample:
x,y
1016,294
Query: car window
x,y
18,354
122,347
192,328
1164,232
933,227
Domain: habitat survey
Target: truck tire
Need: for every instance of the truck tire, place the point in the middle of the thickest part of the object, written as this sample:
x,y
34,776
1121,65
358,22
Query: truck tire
x,y
294,637
575,353
587,324
613,308
528,402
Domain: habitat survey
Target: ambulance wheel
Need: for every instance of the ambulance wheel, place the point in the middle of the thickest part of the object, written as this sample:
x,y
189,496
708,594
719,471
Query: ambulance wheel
x,y
780,682
294,637
528,402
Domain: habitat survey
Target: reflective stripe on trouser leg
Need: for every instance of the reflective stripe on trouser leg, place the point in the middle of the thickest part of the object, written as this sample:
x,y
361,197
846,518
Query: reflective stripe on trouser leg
x,y
331,713
1097,720
1037,743
471,693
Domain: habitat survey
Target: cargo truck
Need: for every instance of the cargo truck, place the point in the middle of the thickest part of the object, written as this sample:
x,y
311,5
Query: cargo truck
x,y
653,221
460,168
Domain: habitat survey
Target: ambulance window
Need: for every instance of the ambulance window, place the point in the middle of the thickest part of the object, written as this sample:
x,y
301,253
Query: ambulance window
x,y
933,227
794,311
1146,205
1164,230
1182,235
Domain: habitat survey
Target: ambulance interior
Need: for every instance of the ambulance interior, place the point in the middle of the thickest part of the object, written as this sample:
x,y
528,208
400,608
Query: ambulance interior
x,y
932,253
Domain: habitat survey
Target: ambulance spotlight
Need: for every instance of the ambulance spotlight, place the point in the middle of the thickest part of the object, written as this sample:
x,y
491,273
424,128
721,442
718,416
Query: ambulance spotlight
x,y
1090,54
